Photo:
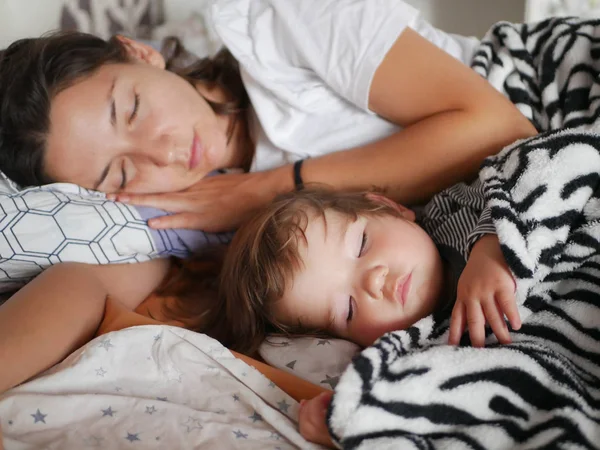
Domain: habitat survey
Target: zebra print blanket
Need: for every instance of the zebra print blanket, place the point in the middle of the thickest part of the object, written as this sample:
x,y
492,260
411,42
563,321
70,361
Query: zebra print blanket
x,y
412,391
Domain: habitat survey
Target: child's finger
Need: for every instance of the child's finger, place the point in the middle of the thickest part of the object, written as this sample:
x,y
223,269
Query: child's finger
x,y
457,324
508,306
325,398
311,419
496,320
476,324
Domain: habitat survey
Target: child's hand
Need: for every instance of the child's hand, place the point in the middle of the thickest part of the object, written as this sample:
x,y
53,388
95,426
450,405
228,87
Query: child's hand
x,y
311,419
485,292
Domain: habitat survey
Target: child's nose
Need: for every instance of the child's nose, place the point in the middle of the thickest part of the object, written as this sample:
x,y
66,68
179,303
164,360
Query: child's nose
x,y
375,280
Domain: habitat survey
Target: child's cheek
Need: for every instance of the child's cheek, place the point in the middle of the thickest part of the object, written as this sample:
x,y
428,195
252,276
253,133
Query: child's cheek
x,y
367,332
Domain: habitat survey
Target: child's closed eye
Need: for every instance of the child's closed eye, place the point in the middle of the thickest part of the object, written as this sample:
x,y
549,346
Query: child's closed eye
x,y
351,306
363,243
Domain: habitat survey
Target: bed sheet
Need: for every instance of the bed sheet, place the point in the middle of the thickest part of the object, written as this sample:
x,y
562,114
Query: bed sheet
x,y
150,387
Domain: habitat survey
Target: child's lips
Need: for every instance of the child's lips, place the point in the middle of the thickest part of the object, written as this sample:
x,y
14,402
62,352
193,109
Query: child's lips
x,y
402,289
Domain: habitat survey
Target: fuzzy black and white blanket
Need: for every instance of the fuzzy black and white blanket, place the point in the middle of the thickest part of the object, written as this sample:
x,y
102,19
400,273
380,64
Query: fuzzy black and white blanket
x,y
412,391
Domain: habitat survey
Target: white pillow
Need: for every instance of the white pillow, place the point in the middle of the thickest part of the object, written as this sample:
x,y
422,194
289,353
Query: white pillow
x,y
46,225
320,361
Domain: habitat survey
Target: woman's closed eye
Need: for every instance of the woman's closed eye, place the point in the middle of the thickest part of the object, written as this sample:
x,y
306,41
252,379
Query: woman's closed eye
x,y
123,177
134,111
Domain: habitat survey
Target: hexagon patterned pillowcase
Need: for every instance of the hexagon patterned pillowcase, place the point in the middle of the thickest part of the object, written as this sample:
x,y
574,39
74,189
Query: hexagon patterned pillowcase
x,y
41,226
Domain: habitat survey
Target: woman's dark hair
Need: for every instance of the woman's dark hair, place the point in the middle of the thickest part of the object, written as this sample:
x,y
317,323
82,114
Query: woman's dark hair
x,y
34,70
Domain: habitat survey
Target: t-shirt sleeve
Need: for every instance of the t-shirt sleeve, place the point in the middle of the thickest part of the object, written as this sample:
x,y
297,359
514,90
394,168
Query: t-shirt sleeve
x,y
345,41
458,216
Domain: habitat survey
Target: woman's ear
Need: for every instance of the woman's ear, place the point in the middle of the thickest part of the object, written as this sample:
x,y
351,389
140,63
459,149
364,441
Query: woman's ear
x,y
141,52
407,213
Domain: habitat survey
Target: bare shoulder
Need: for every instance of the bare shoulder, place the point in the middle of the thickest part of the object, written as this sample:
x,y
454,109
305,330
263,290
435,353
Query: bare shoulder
x,y
129,283
132,283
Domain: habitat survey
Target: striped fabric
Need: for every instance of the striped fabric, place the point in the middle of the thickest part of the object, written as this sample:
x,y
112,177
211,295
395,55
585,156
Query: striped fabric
x,y
412,391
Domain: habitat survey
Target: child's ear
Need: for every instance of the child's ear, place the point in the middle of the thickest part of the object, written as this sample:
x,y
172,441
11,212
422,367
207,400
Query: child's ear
x,y
407,213
141,52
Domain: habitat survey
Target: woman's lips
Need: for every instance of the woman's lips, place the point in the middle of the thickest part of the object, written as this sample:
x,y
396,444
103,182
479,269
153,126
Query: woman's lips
x,y
195,152
402,289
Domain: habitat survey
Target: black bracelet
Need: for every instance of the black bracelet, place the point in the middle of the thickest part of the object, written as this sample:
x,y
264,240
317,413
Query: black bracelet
x,y
298,183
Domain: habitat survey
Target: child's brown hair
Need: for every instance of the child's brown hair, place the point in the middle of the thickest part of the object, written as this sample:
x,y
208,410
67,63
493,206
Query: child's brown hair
x,y
263,257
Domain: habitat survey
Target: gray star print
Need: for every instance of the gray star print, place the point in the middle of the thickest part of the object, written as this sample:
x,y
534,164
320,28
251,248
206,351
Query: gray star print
x,y
331,381
100,372
275,436
150,410
256,417
108,412
132,437
240,435
291,364
105,344
192,424
39,417
236,398
283,406
323,342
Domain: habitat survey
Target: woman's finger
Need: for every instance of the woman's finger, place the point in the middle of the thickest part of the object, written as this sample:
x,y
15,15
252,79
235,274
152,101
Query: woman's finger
x,y
190,221
457,323
476,323
508,306
174,202
495,318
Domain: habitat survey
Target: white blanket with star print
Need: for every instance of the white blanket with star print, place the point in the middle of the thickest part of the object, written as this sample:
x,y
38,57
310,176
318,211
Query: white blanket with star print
x,y
150,387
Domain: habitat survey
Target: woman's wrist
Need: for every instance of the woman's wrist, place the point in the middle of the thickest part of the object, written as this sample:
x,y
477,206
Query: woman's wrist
x,y
280,180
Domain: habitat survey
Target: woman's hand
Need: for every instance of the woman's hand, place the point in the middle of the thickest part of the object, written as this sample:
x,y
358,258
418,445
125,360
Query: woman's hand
x,y
485,292
312,419
217,203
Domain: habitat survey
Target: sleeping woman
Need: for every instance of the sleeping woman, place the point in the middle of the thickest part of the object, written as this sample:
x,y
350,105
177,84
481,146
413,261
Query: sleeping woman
x,y
352,94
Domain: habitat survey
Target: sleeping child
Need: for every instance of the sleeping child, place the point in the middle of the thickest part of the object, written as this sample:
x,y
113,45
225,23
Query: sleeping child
x,y
521,243
357,266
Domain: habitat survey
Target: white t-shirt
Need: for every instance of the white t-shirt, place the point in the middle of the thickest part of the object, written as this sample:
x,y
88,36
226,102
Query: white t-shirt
x,y
308,64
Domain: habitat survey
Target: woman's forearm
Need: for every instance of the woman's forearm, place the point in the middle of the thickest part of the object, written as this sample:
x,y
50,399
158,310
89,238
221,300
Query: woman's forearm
x,y
422,159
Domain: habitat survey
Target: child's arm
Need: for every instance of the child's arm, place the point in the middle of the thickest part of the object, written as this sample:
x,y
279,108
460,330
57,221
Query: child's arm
x,y
485,292
60,310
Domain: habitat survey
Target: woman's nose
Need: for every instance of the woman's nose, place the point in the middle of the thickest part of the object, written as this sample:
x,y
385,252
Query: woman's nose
x,y
163,152
374,280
